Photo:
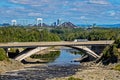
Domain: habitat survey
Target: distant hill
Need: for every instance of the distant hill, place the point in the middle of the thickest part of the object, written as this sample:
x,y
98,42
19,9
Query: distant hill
x,y
102,25
68,24
110,25
5,24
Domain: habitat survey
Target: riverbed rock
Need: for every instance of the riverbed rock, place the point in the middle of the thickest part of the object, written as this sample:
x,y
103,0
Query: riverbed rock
x,y
92,71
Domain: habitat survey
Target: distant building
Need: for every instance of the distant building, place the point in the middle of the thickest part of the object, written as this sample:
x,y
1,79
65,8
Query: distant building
x,y
54,24
58,22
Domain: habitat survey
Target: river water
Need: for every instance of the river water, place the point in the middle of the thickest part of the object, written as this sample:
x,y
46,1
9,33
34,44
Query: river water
x,y
62,66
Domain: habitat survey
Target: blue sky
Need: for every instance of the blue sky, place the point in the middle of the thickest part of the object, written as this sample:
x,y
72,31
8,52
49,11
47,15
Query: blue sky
x,y
76,11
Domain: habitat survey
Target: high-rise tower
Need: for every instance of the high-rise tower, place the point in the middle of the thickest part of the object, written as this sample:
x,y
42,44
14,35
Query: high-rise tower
x,y
58,22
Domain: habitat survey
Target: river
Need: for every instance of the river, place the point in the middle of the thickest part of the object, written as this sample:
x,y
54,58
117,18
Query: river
x,y
62,66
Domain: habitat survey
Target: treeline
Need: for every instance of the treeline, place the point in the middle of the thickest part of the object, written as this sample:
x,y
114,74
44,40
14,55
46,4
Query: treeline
x,y
22,34
90,34
18,34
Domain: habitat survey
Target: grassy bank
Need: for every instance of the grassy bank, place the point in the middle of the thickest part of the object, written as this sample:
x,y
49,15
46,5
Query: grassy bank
x,y
72,78
7,64
3,56
117,67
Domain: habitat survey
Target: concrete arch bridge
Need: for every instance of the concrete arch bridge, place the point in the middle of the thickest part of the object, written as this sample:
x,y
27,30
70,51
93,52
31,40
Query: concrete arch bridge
x,y
90,47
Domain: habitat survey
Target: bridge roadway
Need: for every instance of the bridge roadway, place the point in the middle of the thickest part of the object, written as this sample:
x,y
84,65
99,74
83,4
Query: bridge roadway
x,y
60,43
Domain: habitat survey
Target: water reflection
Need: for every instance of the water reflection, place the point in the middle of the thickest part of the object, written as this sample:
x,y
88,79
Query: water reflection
x,y
63,57
49,57
66,57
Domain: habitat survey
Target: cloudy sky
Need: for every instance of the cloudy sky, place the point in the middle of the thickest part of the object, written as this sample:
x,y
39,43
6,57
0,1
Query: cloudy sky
x,y
76,11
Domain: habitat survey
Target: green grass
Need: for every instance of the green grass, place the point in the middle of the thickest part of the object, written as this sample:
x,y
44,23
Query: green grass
x,y
117,67
72,78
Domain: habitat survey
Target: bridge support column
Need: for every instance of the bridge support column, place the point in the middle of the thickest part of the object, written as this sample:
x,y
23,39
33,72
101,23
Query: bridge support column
x,y
6,50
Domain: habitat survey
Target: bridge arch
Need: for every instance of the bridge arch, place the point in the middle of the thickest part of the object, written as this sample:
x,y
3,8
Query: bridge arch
x,y
30,51
86,50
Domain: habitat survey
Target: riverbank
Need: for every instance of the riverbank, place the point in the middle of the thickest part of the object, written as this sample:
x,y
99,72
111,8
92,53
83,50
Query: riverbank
x,y
10,65
91,71
84,71
13,65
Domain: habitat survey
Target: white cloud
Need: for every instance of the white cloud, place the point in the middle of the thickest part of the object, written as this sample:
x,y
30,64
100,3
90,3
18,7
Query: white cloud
x,y
103,2
112,13
83,17
20,1
76,9
109,13
30,2
34,14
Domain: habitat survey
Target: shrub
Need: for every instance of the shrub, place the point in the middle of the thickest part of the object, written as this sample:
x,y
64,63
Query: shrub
x,y
3,55
117,67
72,78
110,54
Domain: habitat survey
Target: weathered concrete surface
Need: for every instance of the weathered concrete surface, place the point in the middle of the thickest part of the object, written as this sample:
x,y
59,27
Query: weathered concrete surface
x,y
60,43
28,53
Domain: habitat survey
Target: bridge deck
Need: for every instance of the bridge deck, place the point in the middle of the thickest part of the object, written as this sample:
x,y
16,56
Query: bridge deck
x,y
61,43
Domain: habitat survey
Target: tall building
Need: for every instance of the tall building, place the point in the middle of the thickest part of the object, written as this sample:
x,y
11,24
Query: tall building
x,y
14,22
54,24
58,22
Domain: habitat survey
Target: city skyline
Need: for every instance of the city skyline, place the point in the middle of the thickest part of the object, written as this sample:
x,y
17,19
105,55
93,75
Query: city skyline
x,y
76,11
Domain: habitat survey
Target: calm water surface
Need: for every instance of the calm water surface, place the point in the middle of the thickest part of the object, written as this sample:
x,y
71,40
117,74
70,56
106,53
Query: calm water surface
x,y
66,57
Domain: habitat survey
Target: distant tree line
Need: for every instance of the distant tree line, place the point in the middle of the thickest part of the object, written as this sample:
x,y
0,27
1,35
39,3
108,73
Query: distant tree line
x,y
90,34
25,34
18,34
